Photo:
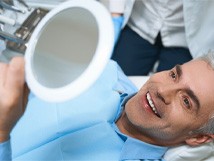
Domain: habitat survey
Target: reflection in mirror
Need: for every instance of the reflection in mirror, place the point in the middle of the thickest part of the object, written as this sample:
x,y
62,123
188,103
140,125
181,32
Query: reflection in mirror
x,y
65,47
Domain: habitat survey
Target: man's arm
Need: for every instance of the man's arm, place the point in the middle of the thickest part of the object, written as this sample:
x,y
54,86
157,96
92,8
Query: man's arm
x,y
12,101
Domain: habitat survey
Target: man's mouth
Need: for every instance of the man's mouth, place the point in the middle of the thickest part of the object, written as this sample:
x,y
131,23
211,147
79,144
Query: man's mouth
x,y
151,104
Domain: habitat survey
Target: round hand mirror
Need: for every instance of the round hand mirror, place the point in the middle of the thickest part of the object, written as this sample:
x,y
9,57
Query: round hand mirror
x,y
68,50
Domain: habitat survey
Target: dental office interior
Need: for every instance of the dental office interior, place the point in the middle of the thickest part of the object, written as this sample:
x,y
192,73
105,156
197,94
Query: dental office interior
x,y
31,27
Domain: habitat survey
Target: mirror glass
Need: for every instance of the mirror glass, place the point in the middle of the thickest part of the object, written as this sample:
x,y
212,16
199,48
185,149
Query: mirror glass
x,y
65,47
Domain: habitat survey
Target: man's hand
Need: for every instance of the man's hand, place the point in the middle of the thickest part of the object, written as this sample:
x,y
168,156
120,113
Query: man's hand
x,y
13,92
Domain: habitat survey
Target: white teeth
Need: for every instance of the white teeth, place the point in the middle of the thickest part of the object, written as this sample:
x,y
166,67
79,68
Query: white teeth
x,y
151,103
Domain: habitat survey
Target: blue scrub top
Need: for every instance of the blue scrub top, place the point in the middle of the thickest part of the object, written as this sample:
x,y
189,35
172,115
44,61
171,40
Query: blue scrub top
x,y
82,128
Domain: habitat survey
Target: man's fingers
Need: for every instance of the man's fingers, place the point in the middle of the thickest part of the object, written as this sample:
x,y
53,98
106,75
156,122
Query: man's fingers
x,y
15,74
25,96
3,71
11,90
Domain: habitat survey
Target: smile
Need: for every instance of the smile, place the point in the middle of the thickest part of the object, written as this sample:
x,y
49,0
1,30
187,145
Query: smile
x,y
151,104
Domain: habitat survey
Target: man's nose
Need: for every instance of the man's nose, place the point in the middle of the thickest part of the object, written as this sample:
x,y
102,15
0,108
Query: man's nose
x,y
166,93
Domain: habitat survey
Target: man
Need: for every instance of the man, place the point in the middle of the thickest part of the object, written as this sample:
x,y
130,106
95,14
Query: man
x,y
172,107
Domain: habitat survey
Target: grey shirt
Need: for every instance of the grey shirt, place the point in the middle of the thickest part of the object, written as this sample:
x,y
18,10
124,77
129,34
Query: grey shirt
x,y
149,17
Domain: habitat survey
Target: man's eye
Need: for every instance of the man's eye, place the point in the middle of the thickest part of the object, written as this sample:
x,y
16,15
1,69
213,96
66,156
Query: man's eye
x,y
173,75
186,102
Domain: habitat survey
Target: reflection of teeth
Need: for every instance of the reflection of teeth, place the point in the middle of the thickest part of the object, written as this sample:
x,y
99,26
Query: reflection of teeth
x,y
151,103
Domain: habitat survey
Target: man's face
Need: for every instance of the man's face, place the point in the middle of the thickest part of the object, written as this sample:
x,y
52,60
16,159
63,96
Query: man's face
x,y
172,104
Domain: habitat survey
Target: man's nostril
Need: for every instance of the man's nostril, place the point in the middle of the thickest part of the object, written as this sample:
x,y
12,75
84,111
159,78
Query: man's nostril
x,y
160,97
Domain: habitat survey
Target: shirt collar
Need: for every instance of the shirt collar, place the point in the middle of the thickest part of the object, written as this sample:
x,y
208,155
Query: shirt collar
x,y
124,97
136,149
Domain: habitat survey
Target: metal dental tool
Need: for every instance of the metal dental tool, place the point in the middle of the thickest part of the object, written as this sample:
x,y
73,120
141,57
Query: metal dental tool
x,y
10,37
6,5
25,4
7,20
25,31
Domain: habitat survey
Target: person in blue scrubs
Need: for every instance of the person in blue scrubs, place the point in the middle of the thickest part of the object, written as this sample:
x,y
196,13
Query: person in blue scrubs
x,y
171,108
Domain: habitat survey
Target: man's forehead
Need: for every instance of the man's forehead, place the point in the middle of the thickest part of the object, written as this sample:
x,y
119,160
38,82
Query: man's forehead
x,y
198,66
199,75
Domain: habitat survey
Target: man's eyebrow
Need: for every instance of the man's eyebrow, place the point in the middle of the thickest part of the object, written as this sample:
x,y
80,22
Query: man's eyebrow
x,y
178,70
189,92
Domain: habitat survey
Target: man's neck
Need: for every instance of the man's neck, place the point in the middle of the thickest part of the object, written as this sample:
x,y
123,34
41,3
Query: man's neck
x,y
126,127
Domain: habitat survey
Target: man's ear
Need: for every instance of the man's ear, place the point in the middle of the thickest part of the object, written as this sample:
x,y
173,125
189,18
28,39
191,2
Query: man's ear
x,y
199,139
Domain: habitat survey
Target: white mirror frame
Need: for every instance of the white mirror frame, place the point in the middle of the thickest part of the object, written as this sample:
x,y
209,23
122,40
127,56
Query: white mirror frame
x,y
95,68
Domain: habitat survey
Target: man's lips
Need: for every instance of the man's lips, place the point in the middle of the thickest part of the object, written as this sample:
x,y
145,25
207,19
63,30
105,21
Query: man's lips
x,y
149,105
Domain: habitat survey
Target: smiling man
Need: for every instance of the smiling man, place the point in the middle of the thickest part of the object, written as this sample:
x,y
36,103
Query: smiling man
x,y
173,106
110,121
